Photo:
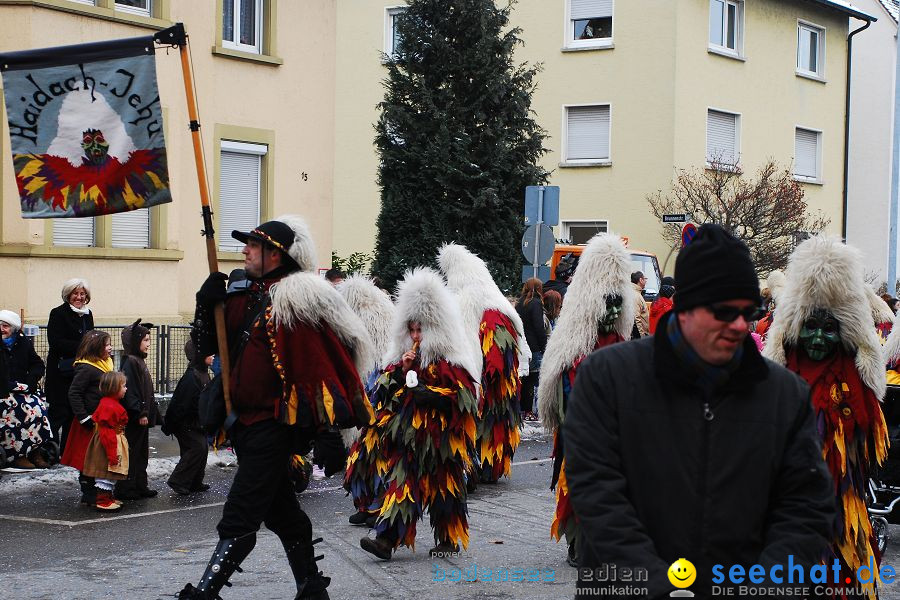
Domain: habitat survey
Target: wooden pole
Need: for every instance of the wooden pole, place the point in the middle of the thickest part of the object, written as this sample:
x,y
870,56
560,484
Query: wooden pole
x,y
176,36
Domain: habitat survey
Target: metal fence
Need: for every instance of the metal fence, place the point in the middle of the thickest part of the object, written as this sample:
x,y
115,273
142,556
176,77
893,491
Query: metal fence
x,y
166,359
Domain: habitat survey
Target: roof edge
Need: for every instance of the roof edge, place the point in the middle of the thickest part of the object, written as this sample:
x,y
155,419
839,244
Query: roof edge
x,y
845,7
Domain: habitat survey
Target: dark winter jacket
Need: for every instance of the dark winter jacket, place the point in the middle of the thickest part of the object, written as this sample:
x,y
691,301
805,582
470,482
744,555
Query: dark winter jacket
x,y
183,409
65,328
139,399
657,472
84,393
25,366
532,315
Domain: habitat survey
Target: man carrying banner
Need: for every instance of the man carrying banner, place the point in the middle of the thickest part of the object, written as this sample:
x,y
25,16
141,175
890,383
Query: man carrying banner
x,y
296,348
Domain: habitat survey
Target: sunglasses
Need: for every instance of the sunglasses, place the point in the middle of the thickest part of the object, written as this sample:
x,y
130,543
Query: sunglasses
x,y
727,314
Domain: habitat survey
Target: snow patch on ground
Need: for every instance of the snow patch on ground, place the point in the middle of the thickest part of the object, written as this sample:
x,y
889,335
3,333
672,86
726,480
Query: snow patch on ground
x,y
533,430
60,475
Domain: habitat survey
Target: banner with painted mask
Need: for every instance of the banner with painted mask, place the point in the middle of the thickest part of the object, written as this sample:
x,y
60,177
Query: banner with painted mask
x,y
86,128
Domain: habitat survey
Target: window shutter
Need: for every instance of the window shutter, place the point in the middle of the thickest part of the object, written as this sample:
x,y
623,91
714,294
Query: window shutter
x,y
806,149
239,192
721,136
588,133
590,9
77,232
131,229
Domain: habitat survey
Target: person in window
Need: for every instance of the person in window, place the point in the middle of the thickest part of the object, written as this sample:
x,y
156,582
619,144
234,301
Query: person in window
x,y
66,326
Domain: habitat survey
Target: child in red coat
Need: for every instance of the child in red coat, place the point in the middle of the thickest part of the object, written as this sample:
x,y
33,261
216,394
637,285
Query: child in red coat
x,y
107,454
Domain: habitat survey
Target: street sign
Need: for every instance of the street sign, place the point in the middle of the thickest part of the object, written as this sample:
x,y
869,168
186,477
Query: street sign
x,y
542,204
675,218
538,244
687,234
542,272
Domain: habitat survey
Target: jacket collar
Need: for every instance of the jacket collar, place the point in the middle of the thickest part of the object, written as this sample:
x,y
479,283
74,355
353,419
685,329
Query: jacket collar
x,y
669,369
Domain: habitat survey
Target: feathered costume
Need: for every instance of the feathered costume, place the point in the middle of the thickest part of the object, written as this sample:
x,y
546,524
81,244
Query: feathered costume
x,y
882,315
846,387
891,353
427,431
604,270
376,311
489,315
775,283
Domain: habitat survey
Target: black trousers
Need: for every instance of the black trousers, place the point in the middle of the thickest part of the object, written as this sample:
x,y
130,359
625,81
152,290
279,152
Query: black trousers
x,y
262,491
59,411
527,399
188,473
138,437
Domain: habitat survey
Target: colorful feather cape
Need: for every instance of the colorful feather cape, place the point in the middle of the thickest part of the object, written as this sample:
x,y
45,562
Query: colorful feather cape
x,y
855,439
500,418
564,522
425,450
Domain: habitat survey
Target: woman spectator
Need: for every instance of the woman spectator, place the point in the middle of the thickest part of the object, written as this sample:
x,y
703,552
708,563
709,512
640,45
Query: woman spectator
x,y
531,310
24,429
663,302
140,403
552,306
91,361
67,325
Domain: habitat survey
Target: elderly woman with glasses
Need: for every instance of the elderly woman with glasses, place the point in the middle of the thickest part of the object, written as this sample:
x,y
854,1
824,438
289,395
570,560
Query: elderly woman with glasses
x,y
24,430
67,325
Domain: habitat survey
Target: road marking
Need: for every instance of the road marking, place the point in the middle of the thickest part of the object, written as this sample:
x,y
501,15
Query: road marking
x,y
135,515
533,462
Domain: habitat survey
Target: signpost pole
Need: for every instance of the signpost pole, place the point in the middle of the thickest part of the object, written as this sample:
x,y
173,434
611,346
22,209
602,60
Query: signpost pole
x,y
537,237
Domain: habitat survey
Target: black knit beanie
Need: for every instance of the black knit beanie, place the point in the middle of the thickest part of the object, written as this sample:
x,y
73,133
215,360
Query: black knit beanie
x,y
714,267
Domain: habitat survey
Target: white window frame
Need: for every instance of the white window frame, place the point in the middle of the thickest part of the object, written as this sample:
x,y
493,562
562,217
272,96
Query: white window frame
x,y
261,150
146,12
819,73
595,223
88,2
737,134
389,13
569,34
738,50
585,162
236,14
819,139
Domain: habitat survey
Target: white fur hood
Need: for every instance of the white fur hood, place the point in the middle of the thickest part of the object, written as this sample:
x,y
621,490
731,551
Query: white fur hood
x,y
375,310
825,273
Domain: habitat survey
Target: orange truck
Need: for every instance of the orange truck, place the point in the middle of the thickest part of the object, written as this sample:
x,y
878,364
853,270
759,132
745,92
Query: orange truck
x,y
644,262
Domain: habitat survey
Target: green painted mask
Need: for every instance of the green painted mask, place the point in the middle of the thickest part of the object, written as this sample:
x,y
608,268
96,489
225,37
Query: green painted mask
x,y
820,334
95,146
613,310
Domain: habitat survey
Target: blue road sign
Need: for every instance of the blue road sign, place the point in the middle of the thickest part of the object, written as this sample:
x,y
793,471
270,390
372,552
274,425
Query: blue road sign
x,y
538,243
688,233
535,200
542,272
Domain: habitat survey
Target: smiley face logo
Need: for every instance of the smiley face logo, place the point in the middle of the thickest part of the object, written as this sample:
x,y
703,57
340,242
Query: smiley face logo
x,y
682,573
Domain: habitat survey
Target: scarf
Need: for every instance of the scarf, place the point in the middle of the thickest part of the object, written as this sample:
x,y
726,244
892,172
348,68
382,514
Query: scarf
x,y
9,341
79,311
708,377
106,365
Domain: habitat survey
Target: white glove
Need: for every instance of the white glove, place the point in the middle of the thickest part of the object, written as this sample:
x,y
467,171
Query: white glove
x,y
412,380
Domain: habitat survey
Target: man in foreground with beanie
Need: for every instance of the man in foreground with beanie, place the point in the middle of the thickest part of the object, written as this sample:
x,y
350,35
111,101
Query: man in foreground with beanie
x,y
693,445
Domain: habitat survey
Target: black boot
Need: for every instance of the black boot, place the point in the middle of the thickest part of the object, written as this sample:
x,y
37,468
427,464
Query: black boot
x,y
226,558
88,491
311,583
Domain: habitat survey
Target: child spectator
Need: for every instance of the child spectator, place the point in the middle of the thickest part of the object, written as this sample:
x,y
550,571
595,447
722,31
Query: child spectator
x,y
106,459
140,403
183,421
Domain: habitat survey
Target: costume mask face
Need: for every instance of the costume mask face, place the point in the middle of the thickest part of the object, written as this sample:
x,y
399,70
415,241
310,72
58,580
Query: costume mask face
x,y
613,310
820,334
95,147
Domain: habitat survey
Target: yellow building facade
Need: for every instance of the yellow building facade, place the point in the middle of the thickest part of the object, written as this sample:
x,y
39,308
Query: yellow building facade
x,y
655,87
264,78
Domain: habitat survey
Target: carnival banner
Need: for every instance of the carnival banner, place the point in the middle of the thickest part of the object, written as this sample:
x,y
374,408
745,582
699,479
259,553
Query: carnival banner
x,y
86,128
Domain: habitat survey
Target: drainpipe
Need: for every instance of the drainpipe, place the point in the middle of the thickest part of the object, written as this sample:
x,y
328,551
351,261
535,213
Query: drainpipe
x,y
847,128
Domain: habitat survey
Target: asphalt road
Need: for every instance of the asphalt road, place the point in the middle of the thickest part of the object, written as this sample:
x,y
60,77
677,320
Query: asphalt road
x,y
53,548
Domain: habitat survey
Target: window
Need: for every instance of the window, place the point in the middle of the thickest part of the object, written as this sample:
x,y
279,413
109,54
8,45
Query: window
x,y
726,24
75,232
722,138
589,23
139,7
587,133
240,190
580,232
807,154
131,229
391,39
242,25
810,50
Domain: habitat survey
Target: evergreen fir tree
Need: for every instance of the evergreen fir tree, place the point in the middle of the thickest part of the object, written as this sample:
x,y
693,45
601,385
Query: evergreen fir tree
x,y
456,138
